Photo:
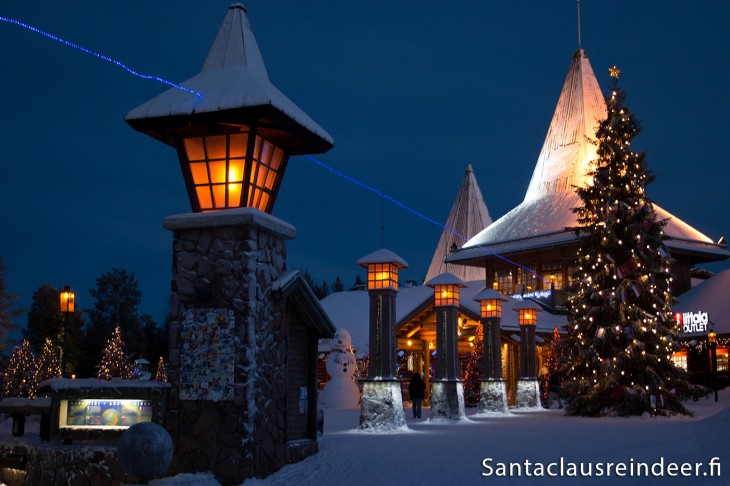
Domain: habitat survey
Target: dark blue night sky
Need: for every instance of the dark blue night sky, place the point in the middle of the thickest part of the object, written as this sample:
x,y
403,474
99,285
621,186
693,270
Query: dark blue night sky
x,y
411,92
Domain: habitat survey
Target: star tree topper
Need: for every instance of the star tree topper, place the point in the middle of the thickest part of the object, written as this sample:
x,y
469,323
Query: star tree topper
x,y
614,72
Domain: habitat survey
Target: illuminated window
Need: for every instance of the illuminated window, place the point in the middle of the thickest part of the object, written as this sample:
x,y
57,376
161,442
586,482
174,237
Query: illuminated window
x,y
503,278
552,273
722,359
680,359
526,279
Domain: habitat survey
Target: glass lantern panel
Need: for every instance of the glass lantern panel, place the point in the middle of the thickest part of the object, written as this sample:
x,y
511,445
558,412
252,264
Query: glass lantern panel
x,y
261,177
200,173
270,180
235,170
194,148
237,145
257,148
219,195
264,202
234,194
276,158
203,192
217,172
216,147
265,153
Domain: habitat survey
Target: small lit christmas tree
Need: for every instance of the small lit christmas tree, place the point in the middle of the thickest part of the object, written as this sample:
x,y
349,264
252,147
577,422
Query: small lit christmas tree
x,y
161,373
48,365
621,328
555,352
114,362
20,375
473,369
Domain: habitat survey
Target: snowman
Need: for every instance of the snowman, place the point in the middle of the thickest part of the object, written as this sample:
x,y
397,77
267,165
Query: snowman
x,y
341,391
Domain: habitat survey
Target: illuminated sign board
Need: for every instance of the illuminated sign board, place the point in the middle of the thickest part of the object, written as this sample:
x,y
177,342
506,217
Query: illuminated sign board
x,y
106,414
692,322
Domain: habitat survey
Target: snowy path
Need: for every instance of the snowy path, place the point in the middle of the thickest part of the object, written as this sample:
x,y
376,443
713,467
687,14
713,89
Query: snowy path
x,y
453,454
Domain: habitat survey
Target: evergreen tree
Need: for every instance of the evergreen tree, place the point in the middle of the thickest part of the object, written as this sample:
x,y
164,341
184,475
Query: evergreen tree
x,y
7,326
621,328
116,299
337,285
473,370
161,373
555,353
20,375
48,362
114,362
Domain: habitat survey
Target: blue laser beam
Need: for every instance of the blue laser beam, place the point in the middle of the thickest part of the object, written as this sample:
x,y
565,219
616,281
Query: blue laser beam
x,y
100,56
413,211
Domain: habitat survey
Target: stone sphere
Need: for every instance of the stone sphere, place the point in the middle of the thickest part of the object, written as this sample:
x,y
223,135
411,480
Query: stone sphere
x,y
145,450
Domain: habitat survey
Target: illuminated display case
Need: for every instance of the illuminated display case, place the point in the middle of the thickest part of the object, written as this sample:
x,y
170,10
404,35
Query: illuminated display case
x,y
91,409
110,414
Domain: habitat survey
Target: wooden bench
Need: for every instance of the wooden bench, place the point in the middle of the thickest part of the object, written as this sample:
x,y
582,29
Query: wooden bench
x,y
20,408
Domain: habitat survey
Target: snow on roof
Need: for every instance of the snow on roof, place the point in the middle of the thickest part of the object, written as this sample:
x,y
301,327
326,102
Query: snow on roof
x,y
468,216
350,310
546,212
568,148
710,296
66,383
382,256
445,279
233,76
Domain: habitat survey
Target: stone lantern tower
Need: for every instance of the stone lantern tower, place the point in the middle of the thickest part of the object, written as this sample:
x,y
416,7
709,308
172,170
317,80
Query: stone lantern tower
x,y
528,388
447,390
243,333
492,389
381,405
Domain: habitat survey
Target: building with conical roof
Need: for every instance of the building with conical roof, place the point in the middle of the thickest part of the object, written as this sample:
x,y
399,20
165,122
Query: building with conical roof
x,y
469,215
536,235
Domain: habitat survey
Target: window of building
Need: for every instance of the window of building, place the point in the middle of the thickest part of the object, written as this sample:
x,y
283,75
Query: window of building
x,y
680,359
722,360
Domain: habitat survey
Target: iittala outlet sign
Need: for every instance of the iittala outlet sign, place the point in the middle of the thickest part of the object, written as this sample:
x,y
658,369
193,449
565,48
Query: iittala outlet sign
x,y
692,322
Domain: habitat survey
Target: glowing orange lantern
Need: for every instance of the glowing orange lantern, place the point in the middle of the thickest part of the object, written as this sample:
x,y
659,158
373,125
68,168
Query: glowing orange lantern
x,y
382,266
446,289
490,302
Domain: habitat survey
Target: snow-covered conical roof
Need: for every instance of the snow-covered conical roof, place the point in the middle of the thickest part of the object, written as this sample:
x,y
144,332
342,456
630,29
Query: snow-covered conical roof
x,y
468,216
234,85
569,145
542,219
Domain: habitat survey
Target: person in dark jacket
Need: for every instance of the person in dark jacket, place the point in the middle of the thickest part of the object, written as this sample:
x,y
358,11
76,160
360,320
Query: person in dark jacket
x,y
417,392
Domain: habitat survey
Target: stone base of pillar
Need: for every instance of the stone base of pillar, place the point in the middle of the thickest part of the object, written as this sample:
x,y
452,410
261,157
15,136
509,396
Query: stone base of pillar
x,y
493,396
528,393
381,406
447,400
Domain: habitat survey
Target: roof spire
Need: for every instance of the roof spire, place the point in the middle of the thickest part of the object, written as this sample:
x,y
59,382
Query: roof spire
x,y
579,46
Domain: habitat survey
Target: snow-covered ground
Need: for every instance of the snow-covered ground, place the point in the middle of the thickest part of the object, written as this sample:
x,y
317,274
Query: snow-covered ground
x,y
454,453
431,453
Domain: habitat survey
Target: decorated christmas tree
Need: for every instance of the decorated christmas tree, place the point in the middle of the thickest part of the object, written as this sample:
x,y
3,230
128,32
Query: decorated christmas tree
x,y
473,367
114,362
20,375
621,328
48,365
555,353
161,373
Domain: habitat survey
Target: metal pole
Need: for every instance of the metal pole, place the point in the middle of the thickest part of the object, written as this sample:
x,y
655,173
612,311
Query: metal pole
x,y
65,345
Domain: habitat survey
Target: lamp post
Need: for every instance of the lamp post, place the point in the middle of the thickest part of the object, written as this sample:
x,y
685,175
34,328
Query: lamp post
x,y
712,341
68,304
381,405
493,389
447,390
528,389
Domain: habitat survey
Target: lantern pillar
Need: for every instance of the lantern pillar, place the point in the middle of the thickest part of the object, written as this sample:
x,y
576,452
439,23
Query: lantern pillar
x,y
381,404
528,388
447,390
492,389
242,370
